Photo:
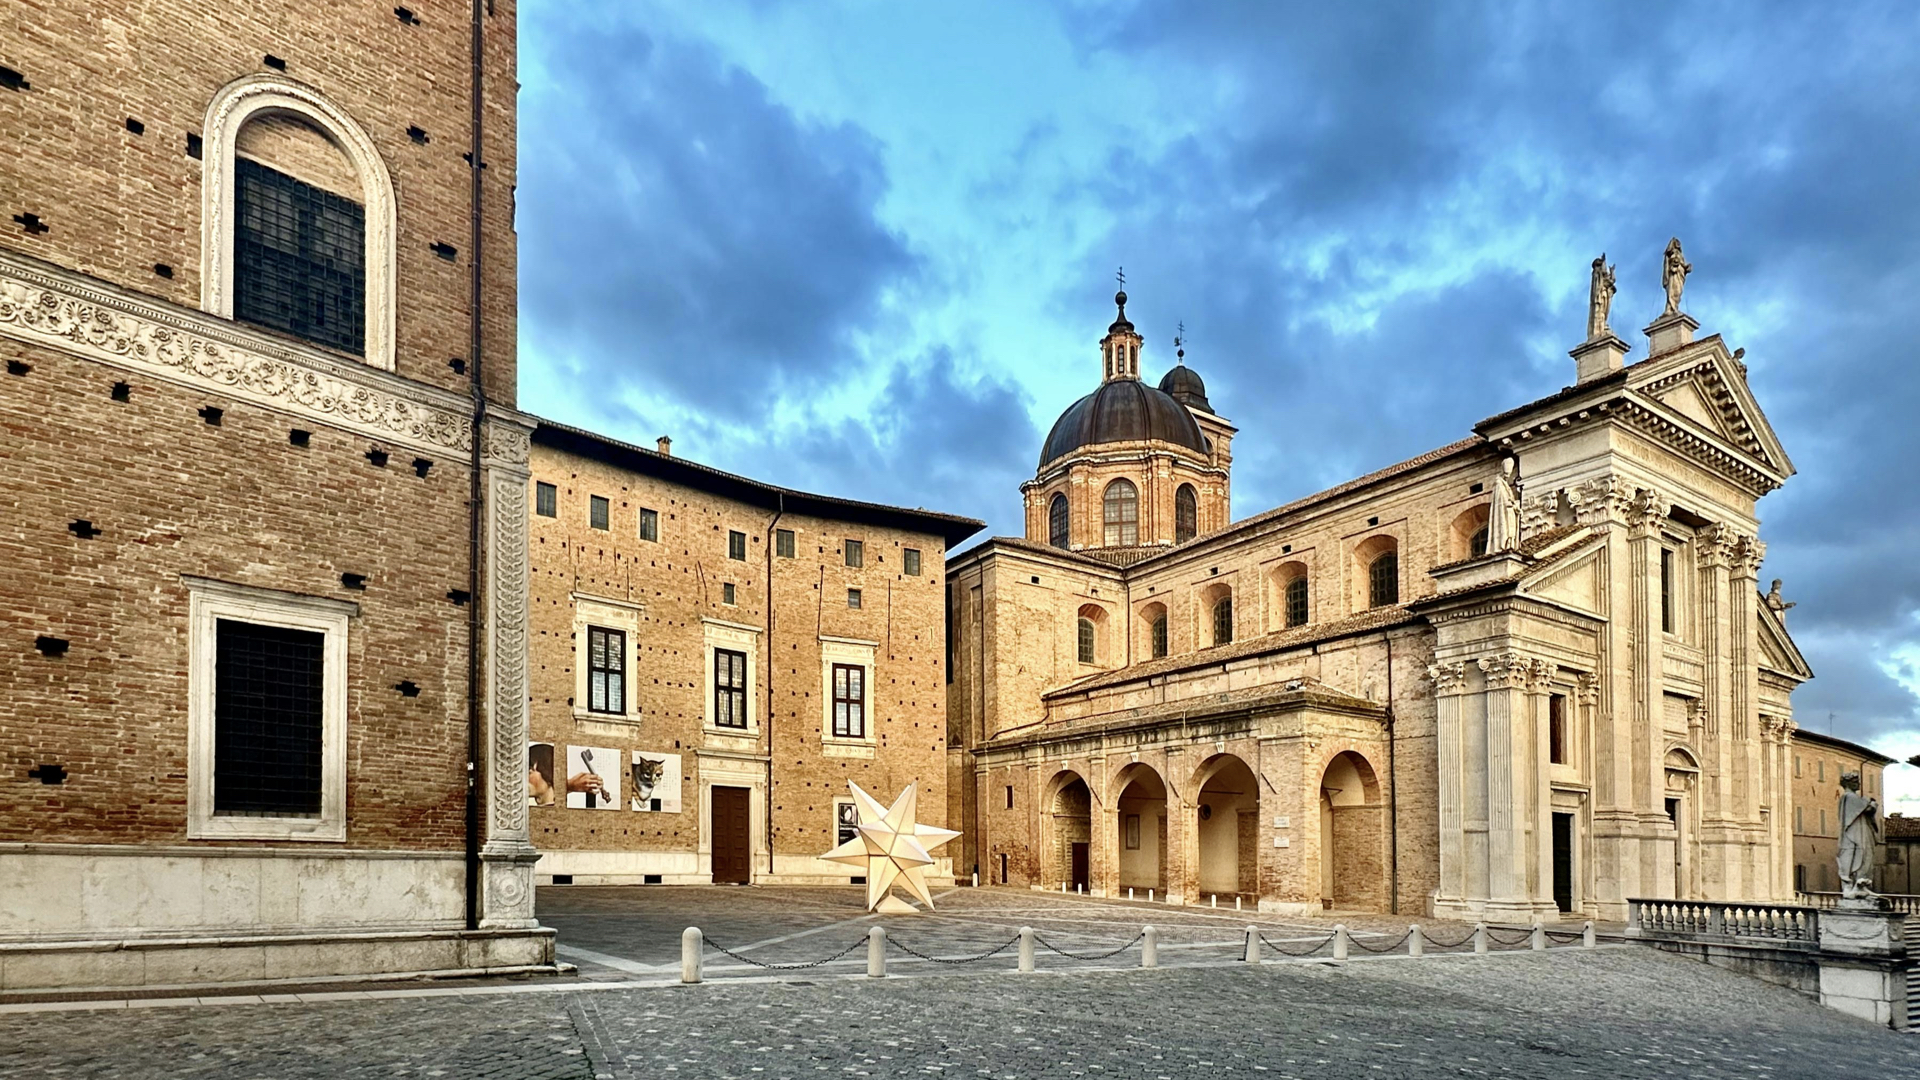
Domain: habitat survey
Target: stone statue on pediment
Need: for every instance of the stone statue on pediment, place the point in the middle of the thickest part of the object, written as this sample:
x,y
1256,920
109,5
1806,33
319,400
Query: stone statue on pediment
x,y
1779,604
1503,515
1600,299
1859,837
1674,269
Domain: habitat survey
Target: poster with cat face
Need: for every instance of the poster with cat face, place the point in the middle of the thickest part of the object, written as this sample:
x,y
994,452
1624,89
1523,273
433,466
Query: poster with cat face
x,y
593,778
655,782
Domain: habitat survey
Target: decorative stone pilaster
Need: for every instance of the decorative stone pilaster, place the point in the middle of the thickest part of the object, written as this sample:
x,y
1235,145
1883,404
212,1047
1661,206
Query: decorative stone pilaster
x,y
1449,684
1507,676
507,855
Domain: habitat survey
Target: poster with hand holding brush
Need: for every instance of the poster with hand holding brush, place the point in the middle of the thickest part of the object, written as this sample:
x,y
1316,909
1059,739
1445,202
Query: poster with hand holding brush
x,y
593,777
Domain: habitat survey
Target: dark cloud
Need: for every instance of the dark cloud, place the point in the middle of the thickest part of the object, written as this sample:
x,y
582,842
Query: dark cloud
x,y
1359,142
683,232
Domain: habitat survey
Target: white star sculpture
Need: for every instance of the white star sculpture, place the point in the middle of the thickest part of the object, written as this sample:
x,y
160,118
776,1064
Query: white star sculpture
x,y
893,847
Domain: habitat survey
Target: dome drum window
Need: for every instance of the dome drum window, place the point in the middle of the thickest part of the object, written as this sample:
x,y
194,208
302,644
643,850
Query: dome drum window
x,y
1057,522
1186,514
1120,512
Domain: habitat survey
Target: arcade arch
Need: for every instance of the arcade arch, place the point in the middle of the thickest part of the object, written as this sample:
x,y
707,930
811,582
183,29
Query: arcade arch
x,y
1352,835
1068,824
1227,827
1141,838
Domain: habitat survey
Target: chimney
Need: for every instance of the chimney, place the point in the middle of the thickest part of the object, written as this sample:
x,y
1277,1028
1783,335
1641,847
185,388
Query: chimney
x,y
666,446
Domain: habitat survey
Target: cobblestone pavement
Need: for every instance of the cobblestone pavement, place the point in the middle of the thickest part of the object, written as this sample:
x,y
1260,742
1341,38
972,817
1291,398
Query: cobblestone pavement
x,y
1623,1014
1619,1013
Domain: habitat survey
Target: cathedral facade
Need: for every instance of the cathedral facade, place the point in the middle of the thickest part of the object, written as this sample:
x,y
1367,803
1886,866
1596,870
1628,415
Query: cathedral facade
x,y
1527,674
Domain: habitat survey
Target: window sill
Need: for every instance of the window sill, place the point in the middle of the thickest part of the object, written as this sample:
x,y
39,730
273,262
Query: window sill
x,y
616,724
733,738
831,746
300,830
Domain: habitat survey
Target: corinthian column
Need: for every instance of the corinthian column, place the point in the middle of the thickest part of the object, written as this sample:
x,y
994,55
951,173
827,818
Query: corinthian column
x,y
507,856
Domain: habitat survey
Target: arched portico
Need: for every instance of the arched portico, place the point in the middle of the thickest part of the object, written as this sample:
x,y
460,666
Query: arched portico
x,y
1227,827
1066,823
1140,829
1352,835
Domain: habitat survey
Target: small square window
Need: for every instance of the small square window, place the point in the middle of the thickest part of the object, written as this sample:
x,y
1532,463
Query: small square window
x,y
736,545
726,593
783,543
856,553
649,524
912,560
597,513
853,598
546,500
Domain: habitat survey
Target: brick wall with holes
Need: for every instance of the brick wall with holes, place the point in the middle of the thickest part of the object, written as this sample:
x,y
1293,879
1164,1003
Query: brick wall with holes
x,y
103,114
681,579
163,492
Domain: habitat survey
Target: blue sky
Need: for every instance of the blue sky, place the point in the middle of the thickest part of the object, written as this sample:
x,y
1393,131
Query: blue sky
x,y
868,247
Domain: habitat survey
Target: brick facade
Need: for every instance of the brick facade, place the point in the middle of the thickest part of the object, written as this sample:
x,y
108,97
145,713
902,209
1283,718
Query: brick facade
x,y
790,614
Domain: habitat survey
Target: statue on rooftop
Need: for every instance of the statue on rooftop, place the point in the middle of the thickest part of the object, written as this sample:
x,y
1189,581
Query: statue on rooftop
x,y
1859,836
1674,269
1600,299
1503,515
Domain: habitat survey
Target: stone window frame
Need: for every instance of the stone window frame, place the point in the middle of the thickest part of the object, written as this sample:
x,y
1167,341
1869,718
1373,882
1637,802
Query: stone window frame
x,y
608,613
733,637
851,652
260,95
209,601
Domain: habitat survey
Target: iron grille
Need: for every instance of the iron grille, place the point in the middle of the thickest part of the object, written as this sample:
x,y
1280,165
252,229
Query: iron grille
x,y
849,701
268,692
729,688
299,258
606,670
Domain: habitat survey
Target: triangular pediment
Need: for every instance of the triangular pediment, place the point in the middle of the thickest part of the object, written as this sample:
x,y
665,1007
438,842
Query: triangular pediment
x,y
1567,572
1777,650
1704,389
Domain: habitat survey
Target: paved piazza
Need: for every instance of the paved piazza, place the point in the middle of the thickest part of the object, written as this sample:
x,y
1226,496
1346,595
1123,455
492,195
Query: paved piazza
x,y
1614,1012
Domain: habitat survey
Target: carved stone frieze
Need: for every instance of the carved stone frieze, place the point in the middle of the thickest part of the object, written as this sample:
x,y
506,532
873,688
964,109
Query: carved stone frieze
x,y
209,354
507,654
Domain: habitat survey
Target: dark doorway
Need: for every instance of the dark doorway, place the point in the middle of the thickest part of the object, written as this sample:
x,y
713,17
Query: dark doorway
x,y
1563,861
1079,855
730,835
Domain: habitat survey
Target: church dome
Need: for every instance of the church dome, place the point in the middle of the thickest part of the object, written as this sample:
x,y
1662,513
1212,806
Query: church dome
x,y
1183,384
1123,410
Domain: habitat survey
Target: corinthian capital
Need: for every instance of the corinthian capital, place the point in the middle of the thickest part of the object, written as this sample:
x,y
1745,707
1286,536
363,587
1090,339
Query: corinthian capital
x,y
1602,499
1716,545
1748,553
1448,679
1508,670
1647,510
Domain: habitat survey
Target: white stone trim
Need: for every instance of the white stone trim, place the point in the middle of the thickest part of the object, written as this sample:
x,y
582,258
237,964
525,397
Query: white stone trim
x,y
51,308
267,94
738,637
210,601
608,614
860,654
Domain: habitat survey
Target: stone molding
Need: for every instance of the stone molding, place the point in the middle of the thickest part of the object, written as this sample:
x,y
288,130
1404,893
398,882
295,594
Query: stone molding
x,y
90,320
266,94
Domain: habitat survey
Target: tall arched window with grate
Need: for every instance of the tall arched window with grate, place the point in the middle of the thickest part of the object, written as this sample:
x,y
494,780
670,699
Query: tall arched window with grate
x,y
1159,636
1120,510
1297,601
1383,580
1223,621
1186,514
1057,528
1086,640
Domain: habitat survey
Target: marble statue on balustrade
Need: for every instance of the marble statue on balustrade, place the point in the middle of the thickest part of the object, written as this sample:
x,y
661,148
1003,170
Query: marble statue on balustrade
x,y
1859,837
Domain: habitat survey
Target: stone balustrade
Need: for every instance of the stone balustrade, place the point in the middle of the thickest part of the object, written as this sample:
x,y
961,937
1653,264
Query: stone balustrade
x,y
1905,903
1775,924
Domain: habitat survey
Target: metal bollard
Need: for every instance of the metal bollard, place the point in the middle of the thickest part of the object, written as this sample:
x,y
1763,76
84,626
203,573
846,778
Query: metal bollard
x,y
1416,942
1587,937
1539,937
877,953
1480,938
1150,948
692,945
1026,948
1252,954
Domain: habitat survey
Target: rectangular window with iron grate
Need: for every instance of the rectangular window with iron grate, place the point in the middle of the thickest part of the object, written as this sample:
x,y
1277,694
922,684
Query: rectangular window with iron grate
x,y
268,691
729,689
606,670
300,258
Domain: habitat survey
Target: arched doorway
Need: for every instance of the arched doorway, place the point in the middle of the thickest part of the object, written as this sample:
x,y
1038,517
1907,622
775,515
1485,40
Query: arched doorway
x,y
1352,835
1227,827
1069,824
1142,825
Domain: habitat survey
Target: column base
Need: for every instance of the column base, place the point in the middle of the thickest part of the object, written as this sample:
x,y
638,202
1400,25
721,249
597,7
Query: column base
x,y
506,886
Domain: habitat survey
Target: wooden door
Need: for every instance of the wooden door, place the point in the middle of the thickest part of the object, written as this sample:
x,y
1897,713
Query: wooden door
x,y
731,831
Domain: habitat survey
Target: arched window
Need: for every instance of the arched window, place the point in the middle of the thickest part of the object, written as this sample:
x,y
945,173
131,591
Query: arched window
x,y
1086,640
1159,631
297,219
1383,579
1057,522
1223,621
1477,545
1186,514
1297,601
1120,508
